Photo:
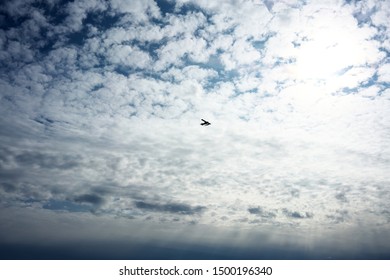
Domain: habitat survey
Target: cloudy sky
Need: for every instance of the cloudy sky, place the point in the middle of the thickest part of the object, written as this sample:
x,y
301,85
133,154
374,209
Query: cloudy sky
x,y
102,154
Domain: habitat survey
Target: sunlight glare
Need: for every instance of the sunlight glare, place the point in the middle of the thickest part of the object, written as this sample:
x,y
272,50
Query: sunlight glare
x,y
327,56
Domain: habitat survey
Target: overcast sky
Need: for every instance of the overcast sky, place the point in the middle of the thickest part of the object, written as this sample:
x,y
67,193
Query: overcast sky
x,y
102,154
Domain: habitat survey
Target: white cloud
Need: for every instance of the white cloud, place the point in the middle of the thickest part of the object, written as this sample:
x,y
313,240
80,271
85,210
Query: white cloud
x,y
128,56
384,73
118,35
137,11
172,54
370,91
192,72
78,11
316,48
241,53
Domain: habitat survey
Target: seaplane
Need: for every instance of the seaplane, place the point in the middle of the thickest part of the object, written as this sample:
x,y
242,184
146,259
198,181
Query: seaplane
x,y
205,123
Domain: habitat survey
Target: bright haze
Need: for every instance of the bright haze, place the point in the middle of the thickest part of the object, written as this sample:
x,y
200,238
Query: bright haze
x,y
102,155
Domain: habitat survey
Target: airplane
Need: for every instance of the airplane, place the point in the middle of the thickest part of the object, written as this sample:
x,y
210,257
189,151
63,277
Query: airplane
x,y
206,123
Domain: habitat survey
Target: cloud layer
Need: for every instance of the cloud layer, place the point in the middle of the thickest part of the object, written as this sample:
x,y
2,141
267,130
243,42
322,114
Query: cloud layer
x,y
101,103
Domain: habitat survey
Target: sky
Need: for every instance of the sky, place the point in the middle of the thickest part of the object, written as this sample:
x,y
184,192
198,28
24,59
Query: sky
x,y
102,155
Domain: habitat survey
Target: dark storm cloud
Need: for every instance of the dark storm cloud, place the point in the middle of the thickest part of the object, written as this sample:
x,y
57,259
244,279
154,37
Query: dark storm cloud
x,y
175,208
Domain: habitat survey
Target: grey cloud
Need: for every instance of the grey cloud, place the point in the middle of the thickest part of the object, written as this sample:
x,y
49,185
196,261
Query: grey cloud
x,y
386,214
47,160
23,193
90,198
259,211
297,215
269,4
17,8
16,53
7,187
59,205
5,157
44,120
176,208
341,197
295,193
339,216
255,210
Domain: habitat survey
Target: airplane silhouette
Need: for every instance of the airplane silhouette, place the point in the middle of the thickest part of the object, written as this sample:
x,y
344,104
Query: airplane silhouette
x,y
206,123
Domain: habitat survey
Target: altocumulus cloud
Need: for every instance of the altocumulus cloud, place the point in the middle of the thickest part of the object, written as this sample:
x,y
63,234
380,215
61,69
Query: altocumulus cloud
x,y
100,139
